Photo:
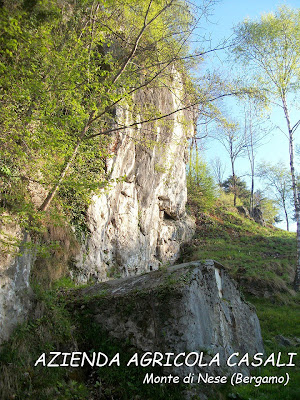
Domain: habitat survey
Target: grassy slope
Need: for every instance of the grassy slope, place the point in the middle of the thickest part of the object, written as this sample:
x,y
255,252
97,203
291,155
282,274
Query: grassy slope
x,y
262,260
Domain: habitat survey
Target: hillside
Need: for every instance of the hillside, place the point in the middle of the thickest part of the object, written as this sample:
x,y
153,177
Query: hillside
x,y
260,258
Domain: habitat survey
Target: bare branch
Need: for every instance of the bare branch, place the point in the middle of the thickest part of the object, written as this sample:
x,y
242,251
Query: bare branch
x,y
153,119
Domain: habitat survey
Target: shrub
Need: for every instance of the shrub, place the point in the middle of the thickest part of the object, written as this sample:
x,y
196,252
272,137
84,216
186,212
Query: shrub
x,y
200,183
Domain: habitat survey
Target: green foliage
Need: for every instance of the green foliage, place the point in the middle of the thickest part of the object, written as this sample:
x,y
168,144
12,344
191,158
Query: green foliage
x,y
268,207
269,210
40,117
270,49
272,43
65,68
200,184
50,329
278,179
227,199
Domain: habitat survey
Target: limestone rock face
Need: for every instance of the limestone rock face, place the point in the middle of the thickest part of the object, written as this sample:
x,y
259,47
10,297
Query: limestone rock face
x,y
193,307
15,299
139,222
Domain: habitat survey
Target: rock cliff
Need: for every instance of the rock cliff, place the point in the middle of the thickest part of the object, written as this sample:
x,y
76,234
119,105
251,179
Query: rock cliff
x,y
15,299
139,222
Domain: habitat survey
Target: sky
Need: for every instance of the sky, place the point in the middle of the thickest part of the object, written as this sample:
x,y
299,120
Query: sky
x,y
226,14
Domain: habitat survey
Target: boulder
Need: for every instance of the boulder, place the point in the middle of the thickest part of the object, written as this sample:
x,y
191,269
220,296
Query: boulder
x,y
243,211
192,307
257,215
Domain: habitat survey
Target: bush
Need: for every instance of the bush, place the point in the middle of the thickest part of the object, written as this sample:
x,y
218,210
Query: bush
x,y
200,184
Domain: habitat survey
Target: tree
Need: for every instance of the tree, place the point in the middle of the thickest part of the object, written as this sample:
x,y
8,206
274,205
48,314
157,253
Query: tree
x,y
254,136
218,170
234,142
238,187
270,47
279,180
200,183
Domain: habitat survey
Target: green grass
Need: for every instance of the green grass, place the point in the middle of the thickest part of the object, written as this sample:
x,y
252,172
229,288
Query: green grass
x,y
276,320
51,329
261,259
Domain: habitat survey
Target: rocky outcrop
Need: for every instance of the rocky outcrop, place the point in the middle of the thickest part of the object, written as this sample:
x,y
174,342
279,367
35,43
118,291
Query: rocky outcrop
x,y
139,222
15,299
243,211
186,308
257,215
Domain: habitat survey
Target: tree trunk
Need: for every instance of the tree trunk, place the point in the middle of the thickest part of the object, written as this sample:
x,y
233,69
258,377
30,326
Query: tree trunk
x,y
53,191
297,275
233,172
250,150
65,169
294,187
252,190
286,218
252,163
234,185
